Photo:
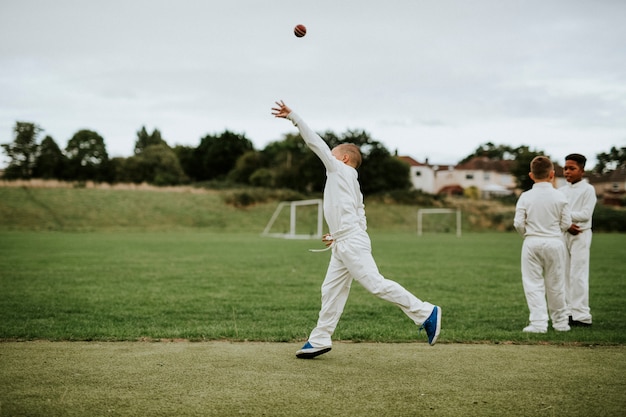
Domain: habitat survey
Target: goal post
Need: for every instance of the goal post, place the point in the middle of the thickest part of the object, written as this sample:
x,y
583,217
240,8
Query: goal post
x,y
421,212
291,228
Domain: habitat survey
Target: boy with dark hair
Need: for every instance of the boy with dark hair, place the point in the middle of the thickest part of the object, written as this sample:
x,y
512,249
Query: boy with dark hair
x,y
351,257
581,197
541,216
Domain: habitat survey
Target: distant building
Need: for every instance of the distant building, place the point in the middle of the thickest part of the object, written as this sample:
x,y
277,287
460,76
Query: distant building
x,y
610,187
489,177
422,176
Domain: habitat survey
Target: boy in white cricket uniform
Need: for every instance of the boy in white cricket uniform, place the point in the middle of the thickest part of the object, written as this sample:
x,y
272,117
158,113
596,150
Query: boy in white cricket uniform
x,y
541,216
582,200
351,247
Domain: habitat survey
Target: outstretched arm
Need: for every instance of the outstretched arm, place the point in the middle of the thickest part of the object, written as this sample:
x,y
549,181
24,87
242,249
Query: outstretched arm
x,y
312,139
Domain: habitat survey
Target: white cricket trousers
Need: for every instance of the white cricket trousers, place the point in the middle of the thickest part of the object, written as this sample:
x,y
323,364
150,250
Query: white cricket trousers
x,y
543,278
577,275
352,259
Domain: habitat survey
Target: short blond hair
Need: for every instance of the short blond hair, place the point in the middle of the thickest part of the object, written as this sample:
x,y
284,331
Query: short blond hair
x,y
353,151
541,166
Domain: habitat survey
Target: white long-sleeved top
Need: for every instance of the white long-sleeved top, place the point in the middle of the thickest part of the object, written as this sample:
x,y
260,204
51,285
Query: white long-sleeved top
x,y
582,201
542,211
343,201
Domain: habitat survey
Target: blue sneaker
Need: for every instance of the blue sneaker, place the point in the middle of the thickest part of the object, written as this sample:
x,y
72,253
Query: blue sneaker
x,y
432,325
309,352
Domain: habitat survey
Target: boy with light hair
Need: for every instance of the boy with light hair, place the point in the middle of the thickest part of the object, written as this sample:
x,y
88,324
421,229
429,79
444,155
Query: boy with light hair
x,y
541,216
351,256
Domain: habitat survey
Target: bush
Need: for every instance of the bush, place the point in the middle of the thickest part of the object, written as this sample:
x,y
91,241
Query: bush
x,y
250,196
408,197
608,219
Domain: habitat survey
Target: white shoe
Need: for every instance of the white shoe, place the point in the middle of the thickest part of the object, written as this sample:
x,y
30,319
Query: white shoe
x,y
561,327
533,329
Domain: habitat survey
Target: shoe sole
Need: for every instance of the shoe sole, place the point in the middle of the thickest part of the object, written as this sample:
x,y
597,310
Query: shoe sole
x,y
311,355
535,331
432,342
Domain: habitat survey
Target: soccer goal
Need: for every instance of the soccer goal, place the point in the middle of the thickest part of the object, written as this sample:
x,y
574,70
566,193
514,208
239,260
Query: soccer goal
x,y
441,223
296,220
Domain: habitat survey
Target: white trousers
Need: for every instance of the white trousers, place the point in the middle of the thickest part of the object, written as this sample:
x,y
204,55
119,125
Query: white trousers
x,y
543,278
352,259
577,275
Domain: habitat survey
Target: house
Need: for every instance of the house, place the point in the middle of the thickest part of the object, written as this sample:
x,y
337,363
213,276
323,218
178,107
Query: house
x,y
611,186
422,175
490,177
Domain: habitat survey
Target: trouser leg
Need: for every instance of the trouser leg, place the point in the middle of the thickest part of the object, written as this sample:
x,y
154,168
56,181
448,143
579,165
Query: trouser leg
x,y
534,286
358,259
577,281
554,274
335,291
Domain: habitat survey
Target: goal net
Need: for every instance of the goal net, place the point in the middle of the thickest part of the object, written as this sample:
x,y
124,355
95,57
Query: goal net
x,y
439,221
296,220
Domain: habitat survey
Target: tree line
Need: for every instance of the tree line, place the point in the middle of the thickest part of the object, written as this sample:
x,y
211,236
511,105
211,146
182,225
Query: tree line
x,y
231,157
227,156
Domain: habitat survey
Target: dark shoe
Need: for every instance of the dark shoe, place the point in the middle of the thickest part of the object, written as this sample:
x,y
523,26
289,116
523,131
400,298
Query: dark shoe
x,y
432,325
576,323
309,352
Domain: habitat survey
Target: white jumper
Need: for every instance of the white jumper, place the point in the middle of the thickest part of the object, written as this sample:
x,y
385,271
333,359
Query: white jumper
x,y
582,201
541,216
351,251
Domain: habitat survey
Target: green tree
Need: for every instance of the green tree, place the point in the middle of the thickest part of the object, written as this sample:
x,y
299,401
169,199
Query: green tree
x,y
609,161
491,151
380,170
144,139
245,166
22,151
294,166
263,177
87,155
185,155
523,156
216,156
157,165
50,162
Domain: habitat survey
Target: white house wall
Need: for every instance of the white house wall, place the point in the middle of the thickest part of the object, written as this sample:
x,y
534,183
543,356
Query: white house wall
x,y
425,178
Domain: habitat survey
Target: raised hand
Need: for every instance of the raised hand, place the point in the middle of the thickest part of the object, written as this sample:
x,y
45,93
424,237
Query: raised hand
x,y
281,111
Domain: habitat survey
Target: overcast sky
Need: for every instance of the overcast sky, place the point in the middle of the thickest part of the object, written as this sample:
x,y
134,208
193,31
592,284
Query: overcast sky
x,y
430,79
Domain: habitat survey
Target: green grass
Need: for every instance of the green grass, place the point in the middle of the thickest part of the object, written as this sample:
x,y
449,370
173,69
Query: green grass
x,y
86,209
265,379
212,286
82,267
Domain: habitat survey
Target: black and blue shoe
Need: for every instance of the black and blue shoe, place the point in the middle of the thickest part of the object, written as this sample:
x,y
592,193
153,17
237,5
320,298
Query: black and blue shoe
x,y
309,352
432,325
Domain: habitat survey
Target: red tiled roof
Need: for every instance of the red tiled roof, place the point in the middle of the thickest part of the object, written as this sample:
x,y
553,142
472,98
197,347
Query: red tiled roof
x,y
485,164
412,162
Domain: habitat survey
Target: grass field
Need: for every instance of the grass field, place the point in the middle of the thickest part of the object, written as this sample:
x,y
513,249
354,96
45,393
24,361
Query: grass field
x,y
211,286
265,379
83,305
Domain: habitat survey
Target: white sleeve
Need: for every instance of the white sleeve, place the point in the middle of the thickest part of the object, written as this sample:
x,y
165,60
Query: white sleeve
x,y
314,142
566,218
519,222
586,210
